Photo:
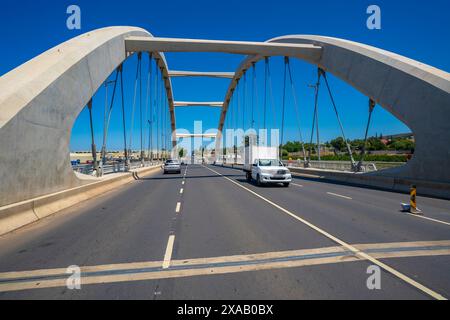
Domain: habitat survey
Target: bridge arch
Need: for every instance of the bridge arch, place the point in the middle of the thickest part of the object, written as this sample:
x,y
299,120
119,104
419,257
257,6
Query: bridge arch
x,y
40,102
415,93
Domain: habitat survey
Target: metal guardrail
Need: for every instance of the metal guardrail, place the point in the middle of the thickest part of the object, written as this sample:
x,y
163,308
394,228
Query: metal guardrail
x,y
116,167
331,165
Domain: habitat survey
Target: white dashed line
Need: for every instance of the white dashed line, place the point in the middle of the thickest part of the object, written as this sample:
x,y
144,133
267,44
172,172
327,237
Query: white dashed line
x,y
338,195
168,255
178,209
297,185
181,191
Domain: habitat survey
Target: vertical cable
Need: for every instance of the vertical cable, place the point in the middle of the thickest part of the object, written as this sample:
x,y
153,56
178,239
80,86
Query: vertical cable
x,y
315,116
105,136
134,103
372,105
148,108
297,111
283,115
127,160
93,146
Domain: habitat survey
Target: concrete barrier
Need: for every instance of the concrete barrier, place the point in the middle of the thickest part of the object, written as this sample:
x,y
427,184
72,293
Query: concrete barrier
x,y
424,188
15,216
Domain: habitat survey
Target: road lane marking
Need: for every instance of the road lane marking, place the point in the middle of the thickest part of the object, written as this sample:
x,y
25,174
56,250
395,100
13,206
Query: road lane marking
x,y
339,195
183,183
39,279
430,219
357,252
178,208
298,185
169,250
182,191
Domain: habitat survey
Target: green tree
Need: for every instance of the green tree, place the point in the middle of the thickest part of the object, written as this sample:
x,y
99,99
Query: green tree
x,y
357,144
339,144
402,145
375,144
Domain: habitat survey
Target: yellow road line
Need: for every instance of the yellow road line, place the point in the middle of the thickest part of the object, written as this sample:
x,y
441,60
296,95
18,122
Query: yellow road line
x,y
356,251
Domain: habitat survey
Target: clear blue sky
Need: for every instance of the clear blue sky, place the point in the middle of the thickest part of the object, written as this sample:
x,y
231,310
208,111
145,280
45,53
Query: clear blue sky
x,y
416,29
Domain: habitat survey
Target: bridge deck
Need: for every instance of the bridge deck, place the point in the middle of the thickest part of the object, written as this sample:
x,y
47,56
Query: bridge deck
x,y
227,227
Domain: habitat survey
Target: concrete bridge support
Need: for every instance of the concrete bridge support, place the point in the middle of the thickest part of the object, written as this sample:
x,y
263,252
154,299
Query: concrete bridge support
x,y
39,103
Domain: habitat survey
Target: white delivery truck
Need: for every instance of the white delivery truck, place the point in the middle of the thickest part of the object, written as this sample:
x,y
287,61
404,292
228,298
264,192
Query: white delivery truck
x,y
262,164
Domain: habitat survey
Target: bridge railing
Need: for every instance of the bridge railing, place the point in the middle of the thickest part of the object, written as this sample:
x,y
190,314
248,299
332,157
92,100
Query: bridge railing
x,y
116,167
331,165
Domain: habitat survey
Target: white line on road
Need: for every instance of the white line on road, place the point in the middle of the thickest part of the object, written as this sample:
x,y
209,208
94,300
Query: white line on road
x,y
178,209
298,185
182,191
339,195
353,249
431,219
183,183
126,272
168,255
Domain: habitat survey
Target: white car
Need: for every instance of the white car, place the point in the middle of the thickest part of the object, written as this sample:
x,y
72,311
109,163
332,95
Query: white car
x,y
172,166
270,171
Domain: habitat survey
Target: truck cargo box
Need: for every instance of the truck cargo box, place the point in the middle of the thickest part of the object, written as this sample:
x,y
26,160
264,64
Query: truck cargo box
x,y
252,153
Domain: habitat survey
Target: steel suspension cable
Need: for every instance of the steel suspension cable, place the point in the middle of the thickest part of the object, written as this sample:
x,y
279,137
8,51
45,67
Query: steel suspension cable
x,y
372,105
157,110
315,117
134,103
283,114
244,100
237,101
93,146
253,95
148,108
349,149
297,111
141,112
272,98
258,122
124,126
105,135
161,113
266,70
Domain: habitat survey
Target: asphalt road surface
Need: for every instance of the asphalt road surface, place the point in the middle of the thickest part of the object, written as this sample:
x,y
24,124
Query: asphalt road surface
x,y
209,234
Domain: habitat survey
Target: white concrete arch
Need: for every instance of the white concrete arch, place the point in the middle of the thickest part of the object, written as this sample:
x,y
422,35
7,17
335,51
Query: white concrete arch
x,y
40,101
417,94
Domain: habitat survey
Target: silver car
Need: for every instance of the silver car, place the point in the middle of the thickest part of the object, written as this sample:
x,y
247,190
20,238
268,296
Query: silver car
x,y
172,166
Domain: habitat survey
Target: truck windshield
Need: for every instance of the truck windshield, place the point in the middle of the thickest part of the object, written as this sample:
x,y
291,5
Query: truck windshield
x,y
270,163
